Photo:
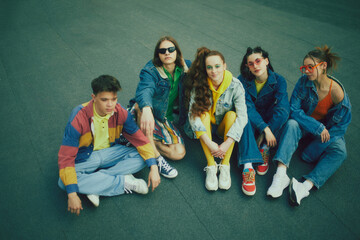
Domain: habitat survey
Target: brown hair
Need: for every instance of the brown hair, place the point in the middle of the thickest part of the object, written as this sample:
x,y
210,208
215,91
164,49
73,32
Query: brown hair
x,y
197,79
324,54
156,60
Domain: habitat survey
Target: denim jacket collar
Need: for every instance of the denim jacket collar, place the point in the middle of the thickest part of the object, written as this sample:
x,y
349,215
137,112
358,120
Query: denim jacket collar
x,y
163,74
268,87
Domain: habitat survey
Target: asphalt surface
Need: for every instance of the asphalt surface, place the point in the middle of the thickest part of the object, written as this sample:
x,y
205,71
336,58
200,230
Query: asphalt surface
x,y
51,50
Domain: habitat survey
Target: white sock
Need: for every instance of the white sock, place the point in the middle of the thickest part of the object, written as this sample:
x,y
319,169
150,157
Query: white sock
x,y
281,171
248,165
307,185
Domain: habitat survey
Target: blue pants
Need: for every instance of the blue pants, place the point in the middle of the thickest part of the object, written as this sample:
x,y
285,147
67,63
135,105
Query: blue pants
x,y
328,162
248,150
103,172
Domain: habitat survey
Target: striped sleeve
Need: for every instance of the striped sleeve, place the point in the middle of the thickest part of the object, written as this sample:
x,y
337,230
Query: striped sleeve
x,y
67,154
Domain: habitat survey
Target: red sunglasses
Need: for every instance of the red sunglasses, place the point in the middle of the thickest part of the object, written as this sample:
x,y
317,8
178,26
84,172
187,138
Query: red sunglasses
x,y
256,62
309,67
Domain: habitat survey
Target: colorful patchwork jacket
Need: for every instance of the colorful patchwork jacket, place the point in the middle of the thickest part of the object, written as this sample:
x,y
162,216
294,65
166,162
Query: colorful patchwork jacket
x,y
77,144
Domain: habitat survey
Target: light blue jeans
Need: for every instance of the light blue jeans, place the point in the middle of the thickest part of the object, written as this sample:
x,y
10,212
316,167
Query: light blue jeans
x,y
328,162
103,172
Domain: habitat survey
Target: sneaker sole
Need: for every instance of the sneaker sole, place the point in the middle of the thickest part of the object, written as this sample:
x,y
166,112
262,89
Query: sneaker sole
x,y
212,190
292,200
169,176
262,173
225,187
248,193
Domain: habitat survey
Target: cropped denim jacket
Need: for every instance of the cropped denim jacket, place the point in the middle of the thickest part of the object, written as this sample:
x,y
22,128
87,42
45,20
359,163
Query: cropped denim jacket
x,y
270,108
154,88
233,99
303,102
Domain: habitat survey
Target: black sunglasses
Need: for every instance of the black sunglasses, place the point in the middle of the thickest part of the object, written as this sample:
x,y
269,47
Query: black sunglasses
x,y
163,50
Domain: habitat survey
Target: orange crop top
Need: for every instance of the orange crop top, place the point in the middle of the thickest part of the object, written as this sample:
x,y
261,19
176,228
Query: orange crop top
x,y
323,106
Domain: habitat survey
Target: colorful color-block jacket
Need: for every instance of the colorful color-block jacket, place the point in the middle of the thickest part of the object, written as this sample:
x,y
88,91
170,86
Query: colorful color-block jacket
x,y
78,144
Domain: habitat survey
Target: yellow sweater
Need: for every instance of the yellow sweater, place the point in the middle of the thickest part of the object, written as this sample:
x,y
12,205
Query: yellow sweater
x,y
217,93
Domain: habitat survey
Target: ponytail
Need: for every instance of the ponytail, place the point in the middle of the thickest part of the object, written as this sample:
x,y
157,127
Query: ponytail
x,y
324,54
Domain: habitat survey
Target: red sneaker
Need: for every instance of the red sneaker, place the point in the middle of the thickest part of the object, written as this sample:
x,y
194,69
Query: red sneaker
x,y
263,168
248,184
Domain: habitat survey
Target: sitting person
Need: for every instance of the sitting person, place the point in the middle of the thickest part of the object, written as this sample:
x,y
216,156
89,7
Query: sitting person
x,y
91,160
216,106
320,111
268,110
158,98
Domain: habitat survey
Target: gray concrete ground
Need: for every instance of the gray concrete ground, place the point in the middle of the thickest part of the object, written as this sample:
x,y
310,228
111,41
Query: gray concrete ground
x,y
51,50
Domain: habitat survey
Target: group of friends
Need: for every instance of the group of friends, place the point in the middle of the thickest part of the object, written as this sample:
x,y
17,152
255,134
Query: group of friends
x,y
105,143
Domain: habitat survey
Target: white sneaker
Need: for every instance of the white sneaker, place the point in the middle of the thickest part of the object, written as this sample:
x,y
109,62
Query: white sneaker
x,y
94,199
279,183
211,181
224,177
297,192
134,184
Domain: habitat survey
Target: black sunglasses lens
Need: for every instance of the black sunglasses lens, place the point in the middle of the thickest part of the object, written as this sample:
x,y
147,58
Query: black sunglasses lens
x,y
162,50
171,49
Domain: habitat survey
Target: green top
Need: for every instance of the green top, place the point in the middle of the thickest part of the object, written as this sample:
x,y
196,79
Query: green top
x,y
174,93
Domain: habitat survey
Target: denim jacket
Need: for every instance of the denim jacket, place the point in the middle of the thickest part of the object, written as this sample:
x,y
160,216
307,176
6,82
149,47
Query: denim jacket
x,y
303,102
154,88
270,108
232,99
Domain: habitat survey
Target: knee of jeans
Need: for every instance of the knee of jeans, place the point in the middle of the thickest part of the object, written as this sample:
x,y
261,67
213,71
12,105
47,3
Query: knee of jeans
x,y
305,157
338,148
293,124
230,116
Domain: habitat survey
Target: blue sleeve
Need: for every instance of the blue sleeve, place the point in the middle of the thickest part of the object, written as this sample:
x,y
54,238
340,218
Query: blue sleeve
x,y
282,106
145,89
297,113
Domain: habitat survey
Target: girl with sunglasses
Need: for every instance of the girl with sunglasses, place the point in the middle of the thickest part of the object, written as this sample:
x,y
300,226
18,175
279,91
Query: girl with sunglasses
x,y
159,103
268,110
216,106
321,111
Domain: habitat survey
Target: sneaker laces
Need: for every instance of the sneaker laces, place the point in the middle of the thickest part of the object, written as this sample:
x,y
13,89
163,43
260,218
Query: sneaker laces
x,y
127,190
164,164
265,156
208,167
249,176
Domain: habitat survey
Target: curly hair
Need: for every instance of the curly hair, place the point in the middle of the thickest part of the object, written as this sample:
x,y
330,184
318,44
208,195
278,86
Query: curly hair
x,y
156,60
197,80
324,54
244,69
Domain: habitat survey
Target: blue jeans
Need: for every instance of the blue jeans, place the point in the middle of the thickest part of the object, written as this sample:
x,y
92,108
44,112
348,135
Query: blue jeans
x,y
248,150
103,172
328,162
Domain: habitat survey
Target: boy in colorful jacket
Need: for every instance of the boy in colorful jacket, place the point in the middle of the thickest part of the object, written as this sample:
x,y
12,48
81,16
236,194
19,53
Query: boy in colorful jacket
x,y
91,159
